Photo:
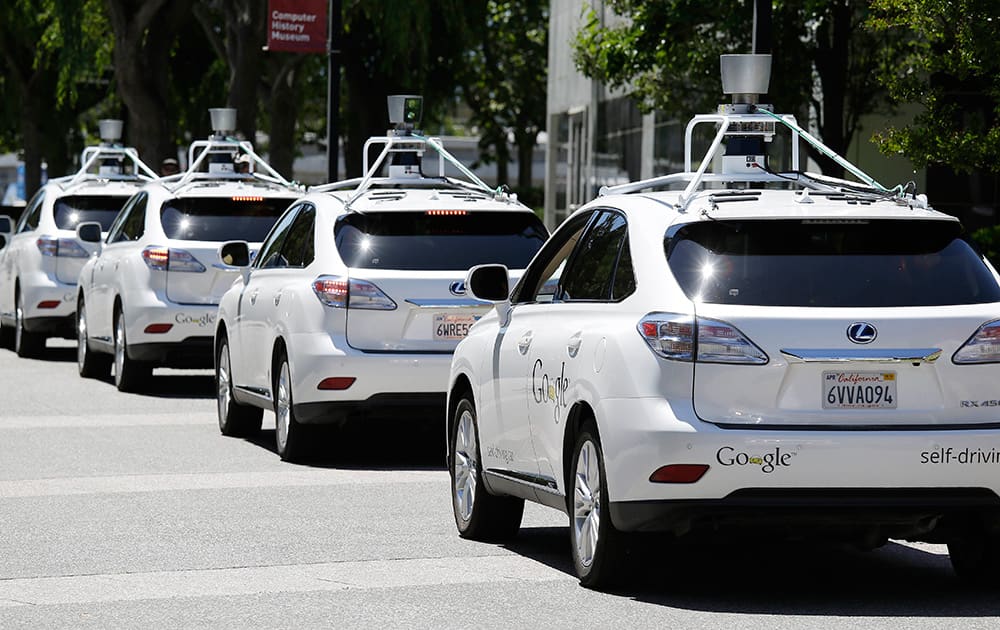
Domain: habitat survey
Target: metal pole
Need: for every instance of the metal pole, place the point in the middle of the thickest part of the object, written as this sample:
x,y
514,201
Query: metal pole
x,y
762,27
333,94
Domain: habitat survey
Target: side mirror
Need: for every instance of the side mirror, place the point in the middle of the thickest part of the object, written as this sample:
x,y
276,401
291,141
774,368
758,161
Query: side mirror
x,y
490,283
235,254
6,227
89,232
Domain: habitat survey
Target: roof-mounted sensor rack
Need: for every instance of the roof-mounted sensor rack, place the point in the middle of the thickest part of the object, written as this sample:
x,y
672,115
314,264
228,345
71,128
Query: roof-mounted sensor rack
x,y
222,154
113,161
403,150
743,128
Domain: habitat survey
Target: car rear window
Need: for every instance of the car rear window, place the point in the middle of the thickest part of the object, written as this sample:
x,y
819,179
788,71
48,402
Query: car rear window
x,y
71,211
830,263
438,239
221,219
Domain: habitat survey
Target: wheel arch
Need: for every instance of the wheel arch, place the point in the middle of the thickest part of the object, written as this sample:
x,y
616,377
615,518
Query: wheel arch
x,y
580,414
462,385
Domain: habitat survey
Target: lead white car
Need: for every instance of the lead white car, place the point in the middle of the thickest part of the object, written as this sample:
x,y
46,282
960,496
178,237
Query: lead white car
x,y
356,301
804,355
150,297
42,257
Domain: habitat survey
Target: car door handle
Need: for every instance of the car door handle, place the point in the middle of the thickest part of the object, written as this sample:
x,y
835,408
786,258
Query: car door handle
x,y
253,297
277,298
524,343
573,345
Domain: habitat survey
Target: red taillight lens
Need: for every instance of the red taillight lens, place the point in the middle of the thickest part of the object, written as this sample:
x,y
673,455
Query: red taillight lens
x,y
682,338
62,247
331,290
337,383
157,329
157,258
679,473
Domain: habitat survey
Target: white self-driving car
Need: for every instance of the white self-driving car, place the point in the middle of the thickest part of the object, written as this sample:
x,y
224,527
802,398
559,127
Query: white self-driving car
x,y
775,349
356,300
43,254
150,297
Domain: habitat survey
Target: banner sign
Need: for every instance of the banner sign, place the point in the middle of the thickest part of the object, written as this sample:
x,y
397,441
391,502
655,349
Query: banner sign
x,y
296,26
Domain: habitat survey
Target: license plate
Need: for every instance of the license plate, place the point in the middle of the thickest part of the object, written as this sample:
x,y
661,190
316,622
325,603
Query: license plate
x,y
449,326
859,390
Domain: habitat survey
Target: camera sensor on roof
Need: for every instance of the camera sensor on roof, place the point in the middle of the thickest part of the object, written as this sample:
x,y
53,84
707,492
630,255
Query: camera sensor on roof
x,y
406,109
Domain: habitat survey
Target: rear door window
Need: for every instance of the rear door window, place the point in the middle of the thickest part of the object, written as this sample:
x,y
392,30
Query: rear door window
x,y
445,240
829,263
592,272
221,218
74,210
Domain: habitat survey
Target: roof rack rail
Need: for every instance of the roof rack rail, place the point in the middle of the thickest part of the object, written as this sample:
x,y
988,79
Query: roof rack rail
x,y
407,142
749,126
405,112
222,152
97,154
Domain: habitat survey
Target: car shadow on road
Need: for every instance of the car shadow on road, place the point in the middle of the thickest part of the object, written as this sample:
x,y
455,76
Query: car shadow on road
x,y
780,578
370,445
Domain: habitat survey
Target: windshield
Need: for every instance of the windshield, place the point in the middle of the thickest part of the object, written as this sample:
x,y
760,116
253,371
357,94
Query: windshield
x,y
220,218
876,263
438,239
70,212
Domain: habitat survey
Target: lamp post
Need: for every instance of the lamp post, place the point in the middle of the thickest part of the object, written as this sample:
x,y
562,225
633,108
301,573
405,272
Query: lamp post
x,y
333,93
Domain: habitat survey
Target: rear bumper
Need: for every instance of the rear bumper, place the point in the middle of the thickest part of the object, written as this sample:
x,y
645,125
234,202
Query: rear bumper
x,y
391,406
383,381
192,353
62,326
758,471
48,320
918,513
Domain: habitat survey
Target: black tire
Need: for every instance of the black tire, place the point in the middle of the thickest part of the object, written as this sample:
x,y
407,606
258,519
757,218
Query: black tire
x,y
976,558
598,562
26,343
290,437
479,515
130,375
89,364
234,419
6,337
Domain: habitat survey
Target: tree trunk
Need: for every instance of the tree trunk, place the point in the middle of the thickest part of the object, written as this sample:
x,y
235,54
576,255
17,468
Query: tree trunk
x,y
144,33
244,39
283,105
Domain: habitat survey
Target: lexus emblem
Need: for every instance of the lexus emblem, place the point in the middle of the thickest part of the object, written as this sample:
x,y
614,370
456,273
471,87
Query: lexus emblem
x,y
457,288
861,332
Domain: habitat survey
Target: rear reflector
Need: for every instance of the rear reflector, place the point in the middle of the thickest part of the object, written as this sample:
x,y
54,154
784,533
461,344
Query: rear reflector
x,y
156,329
336,382
49,304
679,473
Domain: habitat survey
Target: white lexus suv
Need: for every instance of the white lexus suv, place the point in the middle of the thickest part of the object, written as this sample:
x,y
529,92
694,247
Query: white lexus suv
x,y
42,257
356,300
150,297
760,349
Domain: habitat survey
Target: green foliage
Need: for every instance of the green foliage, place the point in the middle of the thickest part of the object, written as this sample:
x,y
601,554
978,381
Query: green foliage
x,y
951,67
666,53
988,240
504,77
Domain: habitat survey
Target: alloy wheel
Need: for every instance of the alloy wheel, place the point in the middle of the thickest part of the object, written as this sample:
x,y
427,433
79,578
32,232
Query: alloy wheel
x,y
465,466
283,408
587,503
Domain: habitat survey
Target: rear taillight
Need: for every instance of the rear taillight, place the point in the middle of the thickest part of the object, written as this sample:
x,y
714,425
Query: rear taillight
x,y
982,347
341,292
164,259
61,247
684,338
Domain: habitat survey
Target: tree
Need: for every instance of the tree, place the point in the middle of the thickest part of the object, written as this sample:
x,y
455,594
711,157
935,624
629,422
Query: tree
x,y
951,68
666,53
144,34
391,47
504,83
48,49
